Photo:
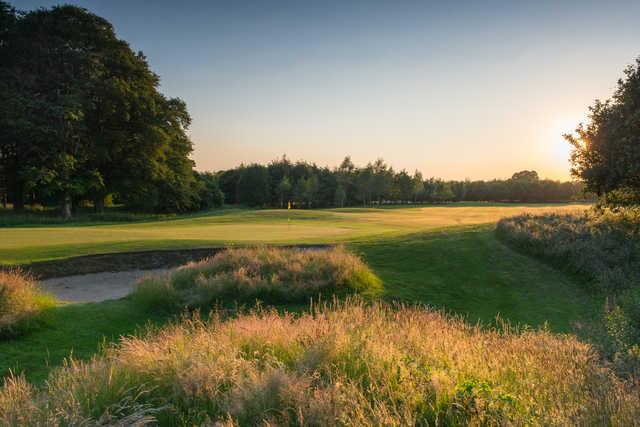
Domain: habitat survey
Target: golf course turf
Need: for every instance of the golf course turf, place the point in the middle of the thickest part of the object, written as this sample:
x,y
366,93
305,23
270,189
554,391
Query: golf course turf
x,y
443,256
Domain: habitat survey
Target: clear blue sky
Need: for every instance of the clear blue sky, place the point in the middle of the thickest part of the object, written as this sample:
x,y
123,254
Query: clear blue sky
x,y
462,89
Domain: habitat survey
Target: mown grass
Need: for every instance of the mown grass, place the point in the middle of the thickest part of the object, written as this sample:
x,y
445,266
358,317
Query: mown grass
x,y
270,275
351,364
469,272
23,245
21,303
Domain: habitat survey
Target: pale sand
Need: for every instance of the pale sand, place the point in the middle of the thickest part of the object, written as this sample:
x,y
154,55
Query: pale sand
x,y
97,286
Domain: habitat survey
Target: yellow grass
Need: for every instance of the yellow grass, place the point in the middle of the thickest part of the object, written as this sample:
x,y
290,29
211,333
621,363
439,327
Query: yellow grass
x,y
272,275
352,364
20,301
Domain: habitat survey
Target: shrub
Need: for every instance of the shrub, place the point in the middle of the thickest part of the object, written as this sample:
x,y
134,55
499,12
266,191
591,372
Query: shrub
x,y
20,303
272,275
350,364
602,246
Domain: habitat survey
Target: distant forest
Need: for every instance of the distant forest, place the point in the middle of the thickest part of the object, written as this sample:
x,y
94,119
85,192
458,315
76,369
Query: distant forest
x,y
307,185
83,124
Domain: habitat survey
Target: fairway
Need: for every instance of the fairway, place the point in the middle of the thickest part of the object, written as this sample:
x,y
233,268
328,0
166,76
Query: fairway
x,y
22,245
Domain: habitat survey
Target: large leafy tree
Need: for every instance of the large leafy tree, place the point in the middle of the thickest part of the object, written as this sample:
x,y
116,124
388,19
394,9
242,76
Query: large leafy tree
x,y
606,150
83,117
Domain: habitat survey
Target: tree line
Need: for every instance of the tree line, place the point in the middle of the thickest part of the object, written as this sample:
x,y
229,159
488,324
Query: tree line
x,y
307,185
81,118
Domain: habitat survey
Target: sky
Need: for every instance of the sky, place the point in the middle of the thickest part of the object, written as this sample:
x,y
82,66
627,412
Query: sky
x,y
459,89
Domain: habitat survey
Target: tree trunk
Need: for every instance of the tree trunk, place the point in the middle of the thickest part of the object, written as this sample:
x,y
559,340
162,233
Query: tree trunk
x,y
99,204
66,207
18,198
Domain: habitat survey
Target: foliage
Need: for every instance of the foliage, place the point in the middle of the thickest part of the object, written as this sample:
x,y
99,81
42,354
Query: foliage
x,y
350,364
308,185
209,194
252,187
606,150
84,120
602,247
20,303
272,275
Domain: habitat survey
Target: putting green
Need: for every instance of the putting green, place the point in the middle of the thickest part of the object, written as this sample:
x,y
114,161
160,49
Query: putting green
x,y
234,226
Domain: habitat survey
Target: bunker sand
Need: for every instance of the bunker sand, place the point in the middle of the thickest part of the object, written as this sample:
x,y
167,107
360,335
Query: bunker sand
x,y
98,287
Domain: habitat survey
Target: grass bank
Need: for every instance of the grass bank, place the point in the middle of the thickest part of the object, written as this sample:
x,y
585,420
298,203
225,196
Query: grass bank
x,y
276,276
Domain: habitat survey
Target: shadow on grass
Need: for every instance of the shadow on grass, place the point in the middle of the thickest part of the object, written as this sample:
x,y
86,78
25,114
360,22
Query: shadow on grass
x,y
466,270
74,329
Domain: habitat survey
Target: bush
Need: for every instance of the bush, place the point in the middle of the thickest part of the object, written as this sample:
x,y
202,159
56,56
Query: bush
x,y
350,364
272,275
20,303
602,246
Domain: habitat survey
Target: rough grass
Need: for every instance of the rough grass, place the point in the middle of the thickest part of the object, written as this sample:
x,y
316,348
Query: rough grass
x,y
21,302
350,364
603,248
271,275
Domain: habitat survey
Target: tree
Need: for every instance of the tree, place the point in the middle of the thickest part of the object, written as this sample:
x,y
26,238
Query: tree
x,y
340,197
253,185
403,186
83,117
382,180
208,190
364,184
284,190
417,185
606,150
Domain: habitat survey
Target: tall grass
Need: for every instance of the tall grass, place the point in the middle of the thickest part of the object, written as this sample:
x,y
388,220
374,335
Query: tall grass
x,y
350,364
603,248
272,275
20,303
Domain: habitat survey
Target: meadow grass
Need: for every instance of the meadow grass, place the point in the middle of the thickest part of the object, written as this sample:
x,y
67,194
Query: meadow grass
x,y
23,245
270,275
21,303
347,364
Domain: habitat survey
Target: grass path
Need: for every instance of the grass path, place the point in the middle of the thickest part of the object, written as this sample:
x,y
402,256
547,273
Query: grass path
x,y
469,272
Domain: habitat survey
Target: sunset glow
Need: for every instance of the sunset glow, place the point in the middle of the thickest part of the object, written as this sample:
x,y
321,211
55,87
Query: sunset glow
x,y
457,90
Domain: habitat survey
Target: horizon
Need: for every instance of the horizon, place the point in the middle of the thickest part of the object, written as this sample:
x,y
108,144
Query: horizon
x,y
455,91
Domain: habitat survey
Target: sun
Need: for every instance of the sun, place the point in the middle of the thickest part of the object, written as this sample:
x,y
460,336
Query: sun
x,y
560,148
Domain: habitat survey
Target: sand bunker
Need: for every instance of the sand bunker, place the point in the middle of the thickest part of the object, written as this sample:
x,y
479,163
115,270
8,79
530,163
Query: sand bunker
x,y
97,286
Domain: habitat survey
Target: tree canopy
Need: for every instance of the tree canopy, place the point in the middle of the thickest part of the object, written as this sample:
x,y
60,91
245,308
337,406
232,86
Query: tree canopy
x,y
606,150
83,118
307,185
